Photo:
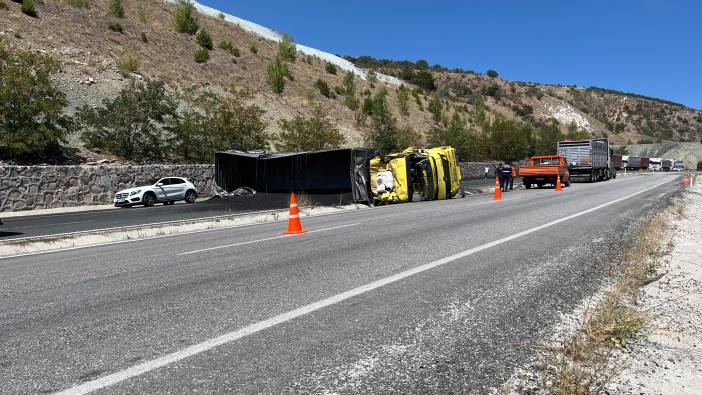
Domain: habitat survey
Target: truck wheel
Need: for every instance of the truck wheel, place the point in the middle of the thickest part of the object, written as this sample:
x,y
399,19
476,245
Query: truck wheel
x,y
540,185
527,185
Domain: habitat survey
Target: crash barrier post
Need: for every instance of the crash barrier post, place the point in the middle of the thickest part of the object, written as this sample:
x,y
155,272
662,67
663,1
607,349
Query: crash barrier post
x,y
498,189
294,224
558,184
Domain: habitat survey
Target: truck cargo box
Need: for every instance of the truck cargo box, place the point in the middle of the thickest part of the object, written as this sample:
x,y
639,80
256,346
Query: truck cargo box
x,y
667,164
319,172
585,154
617,161
634,162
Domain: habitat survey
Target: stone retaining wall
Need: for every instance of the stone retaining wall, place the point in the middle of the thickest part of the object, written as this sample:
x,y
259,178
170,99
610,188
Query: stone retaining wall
x,y
38,187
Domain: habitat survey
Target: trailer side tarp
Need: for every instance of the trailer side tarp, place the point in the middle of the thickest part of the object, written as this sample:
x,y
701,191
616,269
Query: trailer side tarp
x,y
333,171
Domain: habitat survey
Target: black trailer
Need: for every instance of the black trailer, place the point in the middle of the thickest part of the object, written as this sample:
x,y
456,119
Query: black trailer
x,y
667,164
588,160
343,171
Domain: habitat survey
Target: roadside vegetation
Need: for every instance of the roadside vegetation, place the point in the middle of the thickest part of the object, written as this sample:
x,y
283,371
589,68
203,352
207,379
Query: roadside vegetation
x,y
582,360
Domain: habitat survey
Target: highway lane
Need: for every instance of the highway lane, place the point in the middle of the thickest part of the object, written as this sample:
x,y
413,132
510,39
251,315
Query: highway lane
x,y
57,223
74,316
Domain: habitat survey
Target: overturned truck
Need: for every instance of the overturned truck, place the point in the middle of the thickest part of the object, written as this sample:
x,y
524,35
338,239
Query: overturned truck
x,y
359,174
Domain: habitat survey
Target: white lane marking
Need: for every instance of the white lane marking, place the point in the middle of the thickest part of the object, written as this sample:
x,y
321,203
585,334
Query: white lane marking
x,y
207,345
45,225
262,240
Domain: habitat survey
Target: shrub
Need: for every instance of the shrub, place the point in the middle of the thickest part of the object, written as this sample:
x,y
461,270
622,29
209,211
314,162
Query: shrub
x,y
202,55
186,21
287,50
144,38
436,107
128,63
403,99
323,87
330,68
130,125
277,70
253,49
372,78
351,100
382,134
492,73
338,90
221,16
32,124
204,39
227,46
115,9
114,26
314,133
28,8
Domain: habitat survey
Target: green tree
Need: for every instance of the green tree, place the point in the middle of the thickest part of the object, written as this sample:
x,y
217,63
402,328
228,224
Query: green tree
x,y
115,9
492,73
32,123
372,78
287,50
403,99
277,71
436,108
313,133
456,134
576,133
383,133
204,39
509,140
351,100
186,20
209,122
132,124
547,138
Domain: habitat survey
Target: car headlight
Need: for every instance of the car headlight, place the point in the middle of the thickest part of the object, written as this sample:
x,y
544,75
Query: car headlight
x,y
135,192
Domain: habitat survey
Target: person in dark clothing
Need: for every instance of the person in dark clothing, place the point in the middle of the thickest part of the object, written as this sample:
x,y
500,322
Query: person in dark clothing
x,y
511,178
498,172
506,171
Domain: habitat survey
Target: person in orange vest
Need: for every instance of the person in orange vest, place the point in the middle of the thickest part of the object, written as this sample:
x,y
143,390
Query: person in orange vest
x,y
511,179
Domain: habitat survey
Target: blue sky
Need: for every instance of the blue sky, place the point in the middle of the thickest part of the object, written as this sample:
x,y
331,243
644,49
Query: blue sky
x,y
648,47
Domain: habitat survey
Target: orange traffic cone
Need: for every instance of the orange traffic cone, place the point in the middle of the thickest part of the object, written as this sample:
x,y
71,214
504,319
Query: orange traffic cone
x,y
498,190
294,224
686,181
558,184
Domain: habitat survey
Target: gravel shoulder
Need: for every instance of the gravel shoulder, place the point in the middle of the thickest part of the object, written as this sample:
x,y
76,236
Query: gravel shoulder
x,y
668,360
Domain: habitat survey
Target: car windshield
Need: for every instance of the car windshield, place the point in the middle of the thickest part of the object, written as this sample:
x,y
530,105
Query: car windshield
x,y
547,162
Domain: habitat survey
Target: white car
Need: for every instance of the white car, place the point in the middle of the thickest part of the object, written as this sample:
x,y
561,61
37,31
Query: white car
x,y
166,191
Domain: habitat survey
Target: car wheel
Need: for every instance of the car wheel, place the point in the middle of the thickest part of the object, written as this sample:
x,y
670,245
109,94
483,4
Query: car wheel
x,y
190,196
149,200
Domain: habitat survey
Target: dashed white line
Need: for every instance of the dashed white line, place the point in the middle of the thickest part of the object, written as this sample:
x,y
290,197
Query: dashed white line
x,y
262,240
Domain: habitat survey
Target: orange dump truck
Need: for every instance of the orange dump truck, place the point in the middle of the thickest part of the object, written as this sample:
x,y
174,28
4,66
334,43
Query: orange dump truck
x,y
545,170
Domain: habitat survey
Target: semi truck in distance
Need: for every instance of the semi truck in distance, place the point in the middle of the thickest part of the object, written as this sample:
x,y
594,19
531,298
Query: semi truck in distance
x,y
667,164
588,160
655,164
679,165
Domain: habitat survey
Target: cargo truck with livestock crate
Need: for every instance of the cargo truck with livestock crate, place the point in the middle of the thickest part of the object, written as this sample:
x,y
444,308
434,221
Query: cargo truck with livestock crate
x,y
588,160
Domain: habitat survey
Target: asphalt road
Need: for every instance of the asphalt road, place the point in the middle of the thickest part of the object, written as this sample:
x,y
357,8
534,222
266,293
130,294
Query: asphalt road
x,y
444,296
51,224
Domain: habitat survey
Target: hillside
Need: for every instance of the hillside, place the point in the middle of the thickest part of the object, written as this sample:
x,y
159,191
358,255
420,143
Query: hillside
x,y
76,33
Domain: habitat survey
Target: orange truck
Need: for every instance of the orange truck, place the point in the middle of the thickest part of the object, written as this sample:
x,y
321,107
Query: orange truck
x,y
545,170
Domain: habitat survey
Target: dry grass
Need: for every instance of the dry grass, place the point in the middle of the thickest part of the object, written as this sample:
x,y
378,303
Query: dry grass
x,y
582,359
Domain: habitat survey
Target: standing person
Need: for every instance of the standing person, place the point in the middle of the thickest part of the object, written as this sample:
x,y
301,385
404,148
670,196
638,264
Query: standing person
x,y
511,178
498,173
485,174
506,171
